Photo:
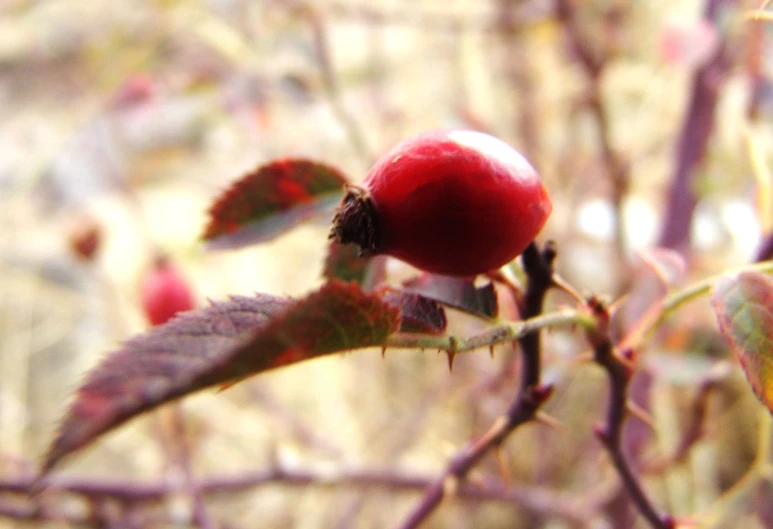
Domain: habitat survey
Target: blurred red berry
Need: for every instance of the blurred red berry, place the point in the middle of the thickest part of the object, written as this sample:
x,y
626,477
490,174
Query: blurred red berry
x,y
136,89
688,44
165,292
84,237
454,202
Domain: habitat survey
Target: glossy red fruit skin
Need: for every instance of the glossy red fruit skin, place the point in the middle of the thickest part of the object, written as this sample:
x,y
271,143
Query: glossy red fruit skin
x,y
454,202
165,292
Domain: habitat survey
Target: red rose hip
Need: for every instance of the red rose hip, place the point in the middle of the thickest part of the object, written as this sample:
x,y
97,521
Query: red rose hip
x,y
165,292
453,202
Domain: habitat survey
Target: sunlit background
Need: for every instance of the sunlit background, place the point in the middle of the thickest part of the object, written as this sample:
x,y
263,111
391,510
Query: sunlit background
x,y
125,119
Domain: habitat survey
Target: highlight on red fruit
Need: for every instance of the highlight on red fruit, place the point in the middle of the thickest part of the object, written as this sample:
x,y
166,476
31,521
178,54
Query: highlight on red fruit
x,y
165,292
452,202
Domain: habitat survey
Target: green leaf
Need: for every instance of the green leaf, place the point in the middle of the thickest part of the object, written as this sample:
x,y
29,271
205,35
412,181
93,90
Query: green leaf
x,y
271,200
744,308
219,345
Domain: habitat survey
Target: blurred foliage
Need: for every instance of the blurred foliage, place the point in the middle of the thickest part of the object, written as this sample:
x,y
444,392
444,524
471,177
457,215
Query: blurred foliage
x,y
136,114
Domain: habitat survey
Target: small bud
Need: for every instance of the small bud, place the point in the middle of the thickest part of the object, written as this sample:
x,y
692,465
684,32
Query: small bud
x,y
85,237
601,433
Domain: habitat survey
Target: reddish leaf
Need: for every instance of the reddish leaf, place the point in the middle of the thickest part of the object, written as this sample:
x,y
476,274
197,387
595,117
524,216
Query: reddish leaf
x,y
344,262
458,293
744,308
418,314
217,345
271,200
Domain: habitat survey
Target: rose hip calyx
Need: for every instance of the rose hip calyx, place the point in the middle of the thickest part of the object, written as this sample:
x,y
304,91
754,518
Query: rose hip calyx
x,y
356,221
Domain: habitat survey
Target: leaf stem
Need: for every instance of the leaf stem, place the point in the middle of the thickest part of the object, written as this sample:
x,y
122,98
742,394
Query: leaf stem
x,y
137,495
498,334
643,329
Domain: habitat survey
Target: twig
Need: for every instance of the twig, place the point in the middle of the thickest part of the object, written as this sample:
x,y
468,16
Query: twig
x,y
610,435
178,446
755,49
697,126
695,428
538,267
519,76
28,512
331,83
543,501
289,420
593,64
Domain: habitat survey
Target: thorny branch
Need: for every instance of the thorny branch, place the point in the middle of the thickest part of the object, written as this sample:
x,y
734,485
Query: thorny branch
x,y
619,369
538,266
15,504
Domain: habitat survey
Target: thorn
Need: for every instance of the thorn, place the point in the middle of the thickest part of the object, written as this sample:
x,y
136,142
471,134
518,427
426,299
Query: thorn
x,y
450,361
559,283
629,354
601,433
640,413
628,358
543,392
491,350
616,304
504,468
227,385
383,352
550,421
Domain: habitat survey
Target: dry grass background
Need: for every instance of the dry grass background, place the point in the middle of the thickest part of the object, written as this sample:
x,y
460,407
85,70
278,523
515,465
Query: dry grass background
x,y
235,83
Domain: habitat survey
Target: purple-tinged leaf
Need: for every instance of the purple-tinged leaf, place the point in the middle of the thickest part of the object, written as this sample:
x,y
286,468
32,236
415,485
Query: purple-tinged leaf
x,y
418,314
219,345
744,308
271,200
458,293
